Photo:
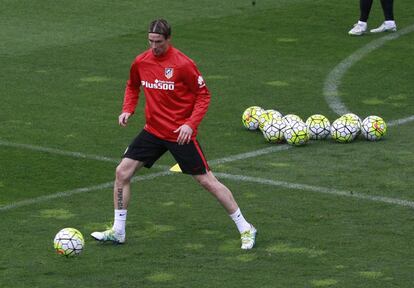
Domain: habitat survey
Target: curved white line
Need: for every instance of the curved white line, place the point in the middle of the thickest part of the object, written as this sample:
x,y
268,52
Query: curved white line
x,y
332,82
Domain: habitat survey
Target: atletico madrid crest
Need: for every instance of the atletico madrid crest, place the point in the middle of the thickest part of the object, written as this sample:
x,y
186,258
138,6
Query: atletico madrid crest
x,y
169,72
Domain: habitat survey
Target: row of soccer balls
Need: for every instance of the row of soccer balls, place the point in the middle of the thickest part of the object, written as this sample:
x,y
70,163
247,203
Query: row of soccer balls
x,y
291,128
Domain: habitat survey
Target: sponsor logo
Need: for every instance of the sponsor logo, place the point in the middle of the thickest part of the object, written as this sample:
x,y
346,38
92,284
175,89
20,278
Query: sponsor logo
x,y
200,81
169,72
158,84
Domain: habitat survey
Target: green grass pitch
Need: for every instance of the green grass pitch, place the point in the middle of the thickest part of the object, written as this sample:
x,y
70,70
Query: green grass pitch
x,y
328,214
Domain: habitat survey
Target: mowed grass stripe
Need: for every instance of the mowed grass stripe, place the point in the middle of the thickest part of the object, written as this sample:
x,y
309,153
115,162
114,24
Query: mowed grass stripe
x,y
57,25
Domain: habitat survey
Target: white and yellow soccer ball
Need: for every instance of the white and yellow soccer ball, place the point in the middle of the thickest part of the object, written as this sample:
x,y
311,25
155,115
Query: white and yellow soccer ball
x,y
267,115
69,242
250,117
344,129
319,126
291,118
263,118
373,128
296,133
274,113
273,130
355,118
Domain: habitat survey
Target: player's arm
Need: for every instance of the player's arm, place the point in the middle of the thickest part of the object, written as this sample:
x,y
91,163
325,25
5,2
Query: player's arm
x,y
131,95
197,85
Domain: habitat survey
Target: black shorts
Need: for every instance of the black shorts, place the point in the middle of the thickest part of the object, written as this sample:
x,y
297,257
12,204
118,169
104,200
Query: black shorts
x,y
148,148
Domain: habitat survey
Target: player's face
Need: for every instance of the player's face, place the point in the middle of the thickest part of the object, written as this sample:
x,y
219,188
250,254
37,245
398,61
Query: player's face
x,y
158,43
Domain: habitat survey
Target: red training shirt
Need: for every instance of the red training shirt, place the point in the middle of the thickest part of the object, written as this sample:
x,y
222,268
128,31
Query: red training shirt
x,y
174,89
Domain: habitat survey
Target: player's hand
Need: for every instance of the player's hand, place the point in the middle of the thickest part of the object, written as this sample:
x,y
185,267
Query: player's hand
x,y
184,136
123,118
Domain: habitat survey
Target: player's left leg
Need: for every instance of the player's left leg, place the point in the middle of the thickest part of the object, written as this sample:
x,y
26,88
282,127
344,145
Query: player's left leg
x,y
225,197
389,23
221,192
191,159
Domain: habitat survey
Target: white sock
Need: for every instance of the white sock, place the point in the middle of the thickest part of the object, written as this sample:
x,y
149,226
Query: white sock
x,y
364,24
241,223
390,23
120,219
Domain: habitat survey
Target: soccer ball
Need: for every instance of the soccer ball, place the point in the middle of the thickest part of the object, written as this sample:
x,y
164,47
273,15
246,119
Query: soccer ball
x,y
263,118
273,130
68,242
291,118
296,133
373,128
344,129
274,113
318,127
355,118
266,116
250,117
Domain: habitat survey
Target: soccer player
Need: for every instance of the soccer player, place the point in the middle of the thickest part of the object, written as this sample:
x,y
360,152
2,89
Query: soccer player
x,y
177,99
365,7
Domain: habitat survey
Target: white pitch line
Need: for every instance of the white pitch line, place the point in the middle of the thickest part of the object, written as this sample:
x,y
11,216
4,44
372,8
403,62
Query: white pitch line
x,y
400,121
58,151
231,158
331,95
252,154
323,190
113,160
78,191
110,184
67,153
263,181
332,82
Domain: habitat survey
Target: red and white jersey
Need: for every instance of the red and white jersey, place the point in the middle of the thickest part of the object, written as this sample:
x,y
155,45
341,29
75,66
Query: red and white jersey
x,y
175,92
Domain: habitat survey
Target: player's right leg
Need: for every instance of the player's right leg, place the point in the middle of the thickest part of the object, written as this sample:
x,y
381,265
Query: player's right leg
x,y
144,150
122,194
123,175
361,26
359,29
